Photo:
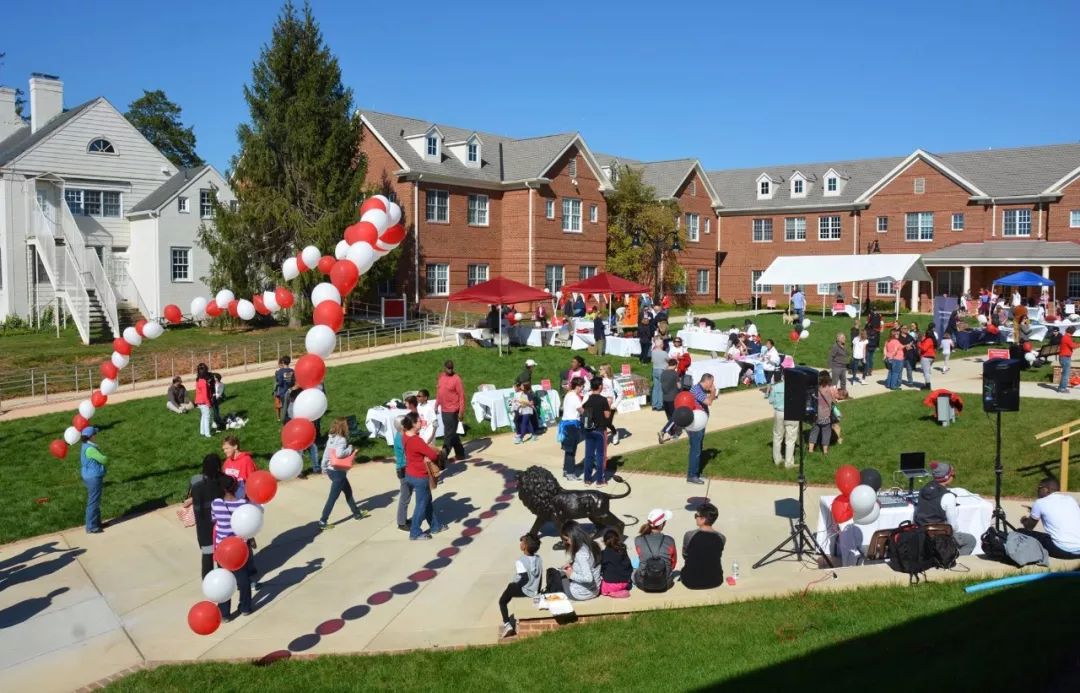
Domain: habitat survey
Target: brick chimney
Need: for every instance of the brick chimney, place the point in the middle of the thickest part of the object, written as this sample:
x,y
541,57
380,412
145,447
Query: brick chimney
x,y
46,99
10,123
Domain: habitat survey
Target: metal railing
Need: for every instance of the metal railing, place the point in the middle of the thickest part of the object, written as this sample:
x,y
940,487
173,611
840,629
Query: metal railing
x,y
87,261
63,273
59,383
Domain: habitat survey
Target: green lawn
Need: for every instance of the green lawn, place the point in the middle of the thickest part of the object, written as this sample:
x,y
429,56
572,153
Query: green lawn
x,y
876,430
153,452
876,639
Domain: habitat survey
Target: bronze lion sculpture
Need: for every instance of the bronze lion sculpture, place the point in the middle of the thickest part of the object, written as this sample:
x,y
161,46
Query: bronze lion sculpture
x,y
540,492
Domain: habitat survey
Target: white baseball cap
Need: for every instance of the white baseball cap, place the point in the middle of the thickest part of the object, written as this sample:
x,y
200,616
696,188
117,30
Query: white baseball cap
x,y
530,363
659,518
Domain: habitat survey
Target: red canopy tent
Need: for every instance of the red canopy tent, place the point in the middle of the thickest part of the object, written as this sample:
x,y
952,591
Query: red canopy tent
x,y
499,290
607,284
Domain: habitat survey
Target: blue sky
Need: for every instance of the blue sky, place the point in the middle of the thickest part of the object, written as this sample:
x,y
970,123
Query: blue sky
x,y
734,84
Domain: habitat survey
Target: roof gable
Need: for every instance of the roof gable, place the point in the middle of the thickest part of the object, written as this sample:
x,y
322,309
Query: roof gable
x,y
920,155
23,141
172,188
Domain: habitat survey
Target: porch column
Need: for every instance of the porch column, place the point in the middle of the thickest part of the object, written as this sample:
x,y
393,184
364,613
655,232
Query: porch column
x,y
915,295
1046,271
967,280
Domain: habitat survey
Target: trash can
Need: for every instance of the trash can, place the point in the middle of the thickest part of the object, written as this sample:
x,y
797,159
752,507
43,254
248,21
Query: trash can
x,y
945,412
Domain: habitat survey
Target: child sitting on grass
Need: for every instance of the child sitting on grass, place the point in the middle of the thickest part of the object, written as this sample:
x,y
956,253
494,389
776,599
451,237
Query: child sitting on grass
x,y
615,567
529,567
522,406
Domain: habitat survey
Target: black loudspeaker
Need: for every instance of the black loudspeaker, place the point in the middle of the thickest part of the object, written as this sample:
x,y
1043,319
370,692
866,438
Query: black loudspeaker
x,y
1001,385
800,394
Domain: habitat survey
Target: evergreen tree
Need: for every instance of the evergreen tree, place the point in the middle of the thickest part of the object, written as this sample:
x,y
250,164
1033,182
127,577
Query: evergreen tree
x,y
298,176
158,119
641,233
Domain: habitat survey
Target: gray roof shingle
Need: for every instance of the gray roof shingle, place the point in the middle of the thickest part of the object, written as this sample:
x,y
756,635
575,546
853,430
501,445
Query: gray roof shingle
x,y
15,145
664,177
168,189
1016,171
1006,251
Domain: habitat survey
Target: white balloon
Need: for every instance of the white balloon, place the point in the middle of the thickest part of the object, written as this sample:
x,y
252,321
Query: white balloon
x,y
108,386
311,256
153,330
805,334
320,340
87,409
870,517
393,210
132,337
517,317
325,291
862,499
289,270
806,322
71,435
310,404
384,199
982,319
198,308
1030,357
270,301
558,294
119,360
245,309
377,217
286,464
362,255
218,585
341,250
224,298
247,520
700,420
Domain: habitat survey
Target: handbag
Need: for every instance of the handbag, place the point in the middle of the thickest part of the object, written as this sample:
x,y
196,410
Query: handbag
x,y
342,463
186,515
836,412
432,470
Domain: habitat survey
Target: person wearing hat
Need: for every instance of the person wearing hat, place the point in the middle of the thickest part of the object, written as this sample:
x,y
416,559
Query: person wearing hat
x,y
937,505
526,376
92,462
656,554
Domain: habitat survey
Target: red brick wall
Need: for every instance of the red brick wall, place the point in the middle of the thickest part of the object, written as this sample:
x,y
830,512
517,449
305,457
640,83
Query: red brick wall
x,y
1057,222
381,166
700,255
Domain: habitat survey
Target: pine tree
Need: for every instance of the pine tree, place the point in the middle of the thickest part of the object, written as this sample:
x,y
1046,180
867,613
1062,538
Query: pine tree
x,y
158,119
299,174
641,233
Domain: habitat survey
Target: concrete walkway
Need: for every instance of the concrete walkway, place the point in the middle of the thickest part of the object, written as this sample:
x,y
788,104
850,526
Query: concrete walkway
x,y
79,608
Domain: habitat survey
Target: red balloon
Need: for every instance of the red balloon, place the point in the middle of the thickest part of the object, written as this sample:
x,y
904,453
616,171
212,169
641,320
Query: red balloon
x,y
232,308
841,509
372,203
232,553
685,399
79,422
326,263
1027,346
284,297
794,336
58,449
300,263
260,305
108,369
213,309
139,327
393,235
310,370
121,347
298,434
260,487
344,276
847,478
98,398
329,313
173,314
362,231
204,618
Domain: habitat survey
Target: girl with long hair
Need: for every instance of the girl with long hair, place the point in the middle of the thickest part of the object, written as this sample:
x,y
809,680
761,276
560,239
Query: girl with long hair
x,y
204,393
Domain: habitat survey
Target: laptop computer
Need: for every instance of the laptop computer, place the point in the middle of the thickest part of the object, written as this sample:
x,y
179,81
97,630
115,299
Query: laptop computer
x,y
913,464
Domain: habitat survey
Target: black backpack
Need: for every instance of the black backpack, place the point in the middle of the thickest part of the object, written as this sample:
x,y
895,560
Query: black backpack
x,y
913,551
993,545
288,376
654,575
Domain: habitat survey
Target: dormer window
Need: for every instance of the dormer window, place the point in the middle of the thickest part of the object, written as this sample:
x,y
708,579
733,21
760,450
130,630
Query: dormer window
x,y
763,190
472,152
765,187
834,183
797,186
101,146
432,146
830,184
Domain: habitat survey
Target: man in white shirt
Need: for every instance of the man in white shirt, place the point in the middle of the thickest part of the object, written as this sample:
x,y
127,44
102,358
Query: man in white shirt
x,y
429,416
1060,515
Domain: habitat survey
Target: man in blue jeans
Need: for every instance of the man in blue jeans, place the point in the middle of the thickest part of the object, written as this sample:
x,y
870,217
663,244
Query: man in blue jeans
x,y
1065,357
596,413
704,394
798,304
92,462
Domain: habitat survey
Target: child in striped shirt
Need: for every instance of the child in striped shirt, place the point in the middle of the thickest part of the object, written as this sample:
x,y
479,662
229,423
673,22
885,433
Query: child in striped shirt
x,y
221,509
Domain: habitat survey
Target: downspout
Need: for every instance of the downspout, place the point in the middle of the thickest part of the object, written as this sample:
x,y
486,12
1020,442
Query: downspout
x,y
1040,219
531,190
416,239
993,220
855,251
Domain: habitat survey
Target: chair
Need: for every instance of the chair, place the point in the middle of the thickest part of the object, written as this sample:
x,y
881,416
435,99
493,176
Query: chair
x,y
878,549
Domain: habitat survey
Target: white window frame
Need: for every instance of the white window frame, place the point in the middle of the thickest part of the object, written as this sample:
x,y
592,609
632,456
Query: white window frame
x,y
1017,219
432,207
798,187
832,184
108,143
702,281
478,274
594,213
182,205
693,227
828,289
549,209
1074,218
828,230
758,235
555,277
920,235
754,288
764,188
890,289
180,253
1070,284
571,215
431,146
708,225
571,167
882,224
919,186
90,202
792,230
472,152
433,279
586,272
206,203
957,217
478,210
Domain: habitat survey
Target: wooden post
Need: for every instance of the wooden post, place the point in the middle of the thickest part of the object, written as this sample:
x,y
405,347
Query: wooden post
x,y
1065,460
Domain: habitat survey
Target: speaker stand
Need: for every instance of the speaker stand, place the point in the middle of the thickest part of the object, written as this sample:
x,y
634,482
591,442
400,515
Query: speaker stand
x,y
800,538
1000,523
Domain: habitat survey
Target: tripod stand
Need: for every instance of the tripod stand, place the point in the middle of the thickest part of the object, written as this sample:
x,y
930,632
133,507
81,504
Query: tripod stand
x,y
1000,523
801,538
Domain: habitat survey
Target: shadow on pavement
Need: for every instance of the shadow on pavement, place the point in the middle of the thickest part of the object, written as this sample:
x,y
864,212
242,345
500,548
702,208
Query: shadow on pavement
x,y
40,570
290,577
27,609
284,546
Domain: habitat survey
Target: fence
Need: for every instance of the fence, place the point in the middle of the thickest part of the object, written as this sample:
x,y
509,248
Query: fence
x,y
41,385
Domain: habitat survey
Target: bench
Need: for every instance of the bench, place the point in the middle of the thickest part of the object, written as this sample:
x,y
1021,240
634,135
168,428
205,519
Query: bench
x,y
1046,351
739,302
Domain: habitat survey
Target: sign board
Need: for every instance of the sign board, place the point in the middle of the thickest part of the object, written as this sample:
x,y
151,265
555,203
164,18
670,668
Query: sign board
x,y
625,385
626,369
992,354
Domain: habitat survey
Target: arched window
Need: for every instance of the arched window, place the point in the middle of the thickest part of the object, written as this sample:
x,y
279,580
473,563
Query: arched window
x,y
101,146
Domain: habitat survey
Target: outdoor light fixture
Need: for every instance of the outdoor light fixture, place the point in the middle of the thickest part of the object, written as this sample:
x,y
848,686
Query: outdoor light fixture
x,y
872,248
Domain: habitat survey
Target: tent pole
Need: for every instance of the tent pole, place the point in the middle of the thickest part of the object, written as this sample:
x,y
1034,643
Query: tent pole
x,y
446,317
500,330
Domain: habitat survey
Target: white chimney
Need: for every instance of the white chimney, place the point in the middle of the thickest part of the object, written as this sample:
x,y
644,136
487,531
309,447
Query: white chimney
x,y
46,99
10,123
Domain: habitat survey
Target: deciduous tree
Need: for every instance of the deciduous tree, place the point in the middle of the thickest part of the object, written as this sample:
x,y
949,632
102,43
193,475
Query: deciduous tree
x,y
642,234
158,119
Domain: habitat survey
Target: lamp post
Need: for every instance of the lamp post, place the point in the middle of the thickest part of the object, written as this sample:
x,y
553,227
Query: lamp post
x,y
659,244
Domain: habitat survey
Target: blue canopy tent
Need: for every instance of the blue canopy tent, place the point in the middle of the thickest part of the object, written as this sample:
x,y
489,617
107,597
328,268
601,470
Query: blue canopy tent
x,y
1025,279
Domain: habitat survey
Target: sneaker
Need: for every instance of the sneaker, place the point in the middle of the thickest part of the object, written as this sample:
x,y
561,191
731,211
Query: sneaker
x,y
615,438
421,537
361,514
660,440
228,618
404,527
324,526
695,480
569,477
508,629
588,483
439,530
517,440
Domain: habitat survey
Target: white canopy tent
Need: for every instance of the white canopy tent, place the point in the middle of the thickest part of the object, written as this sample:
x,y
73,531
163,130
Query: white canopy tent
x,y
841,269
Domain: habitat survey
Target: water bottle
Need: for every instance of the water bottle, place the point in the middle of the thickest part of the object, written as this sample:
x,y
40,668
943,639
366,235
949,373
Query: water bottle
x,y
735,570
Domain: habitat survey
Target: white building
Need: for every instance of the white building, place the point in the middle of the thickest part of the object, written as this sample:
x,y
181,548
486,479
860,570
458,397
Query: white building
x,y
93,218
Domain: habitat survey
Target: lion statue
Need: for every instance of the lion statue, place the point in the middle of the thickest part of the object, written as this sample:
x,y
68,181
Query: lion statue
x,y
540,492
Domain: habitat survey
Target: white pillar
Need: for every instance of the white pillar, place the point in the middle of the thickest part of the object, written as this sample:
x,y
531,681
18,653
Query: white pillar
x,y
1046,271
915,295
967,279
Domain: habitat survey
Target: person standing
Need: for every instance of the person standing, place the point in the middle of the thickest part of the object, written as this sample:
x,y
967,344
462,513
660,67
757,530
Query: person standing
x,y
839,361
927,354
822,430
894,360
595,414
526,375
771,362
907,359
284,379
669,385
704,394
784,432
1065,357
222,510
659,359
1060,516
644,335
337,447
421,473
203,392
428,413
217,396
798,304
92,463
238,464
204,489
599,331
873,339
450,397
570,427
858,356
613,395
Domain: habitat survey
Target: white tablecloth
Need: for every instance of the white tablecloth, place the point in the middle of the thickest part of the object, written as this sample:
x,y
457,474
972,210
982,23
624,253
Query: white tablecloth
x,y
975,516
493,406
475,333
582,340
724,372
852,311
379,423
531,335
1038,332
704,341
622,346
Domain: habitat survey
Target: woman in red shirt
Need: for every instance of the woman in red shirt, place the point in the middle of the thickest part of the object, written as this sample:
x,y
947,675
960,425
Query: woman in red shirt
x,y
420,471
202,398
1065,357
450,397
927,353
